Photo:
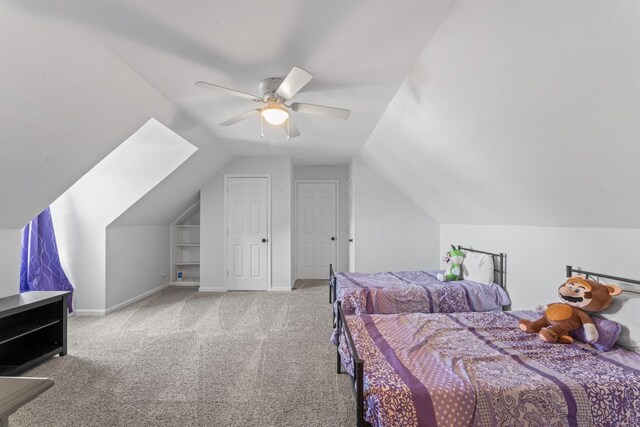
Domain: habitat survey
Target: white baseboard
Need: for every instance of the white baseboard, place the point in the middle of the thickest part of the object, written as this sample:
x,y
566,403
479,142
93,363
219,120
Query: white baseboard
x,y
280,289
78,312
211,289
184,284
134,299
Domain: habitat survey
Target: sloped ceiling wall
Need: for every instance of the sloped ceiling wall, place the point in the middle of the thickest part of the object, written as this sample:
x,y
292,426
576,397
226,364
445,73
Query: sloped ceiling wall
x,y
173,195
67,102
522,112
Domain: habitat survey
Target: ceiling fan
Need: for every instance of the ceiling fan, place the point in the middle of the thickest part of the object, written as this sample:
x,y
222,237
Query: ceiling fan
x,y
276,92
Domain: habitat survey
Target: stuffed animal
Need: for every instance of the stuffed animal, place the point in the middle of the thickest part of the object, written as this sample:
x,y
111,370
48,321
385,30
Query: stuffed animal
x,y
579,296
454,259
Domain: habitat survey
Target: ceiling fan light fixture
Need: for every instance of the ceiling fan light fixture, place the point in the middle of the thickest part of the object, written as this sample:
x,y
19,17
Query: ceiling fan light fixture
x,y
275,114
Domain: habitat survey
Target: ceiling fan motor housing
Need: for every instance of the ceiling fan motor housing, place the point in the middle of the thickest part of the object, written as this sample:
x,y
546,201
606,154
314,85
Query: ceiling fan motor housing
x,y
268,88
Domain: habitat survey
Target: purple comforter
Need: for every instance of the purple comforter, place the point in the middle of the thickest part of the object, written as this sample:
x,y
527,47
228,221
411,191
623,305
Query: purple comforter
x,y
414,292
480,369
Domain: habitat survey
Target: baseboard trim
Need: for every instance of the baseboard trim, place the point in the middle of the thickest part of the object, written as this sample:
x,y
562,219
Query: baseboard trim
x,y
184,284
211,289
137,298
280,289
78,312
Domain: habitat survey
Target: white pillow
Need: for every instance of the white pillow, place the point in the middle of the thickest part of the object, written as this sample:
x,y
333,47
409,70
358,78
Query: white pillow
x,y
624,309
478,268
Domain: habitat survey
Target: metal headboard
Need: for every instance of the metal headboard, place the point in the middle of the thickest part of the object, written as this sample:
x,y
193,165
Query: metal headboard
x,y
597,276
498,258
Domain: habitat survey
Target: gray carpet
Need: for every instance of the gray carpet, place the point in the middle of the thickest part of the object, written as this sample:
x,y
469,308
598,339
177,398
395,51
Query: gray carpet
x,y
184,358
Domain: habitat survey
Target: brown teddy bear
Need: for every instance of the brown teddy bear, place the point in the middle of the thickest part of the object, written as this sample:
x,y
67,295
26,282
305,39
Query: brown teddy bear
x,y
579,295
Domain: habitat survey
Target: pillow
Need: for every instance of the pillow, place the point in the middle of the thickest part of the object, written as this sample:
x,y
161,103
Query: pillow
x,y
478,268
608,333
624,309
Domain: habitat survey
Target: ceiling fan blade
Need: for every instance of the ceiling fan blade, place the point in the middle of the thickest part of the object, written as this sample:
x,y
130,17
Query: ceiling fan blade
x,y
240,117
228,91
321,110
292,129
295,80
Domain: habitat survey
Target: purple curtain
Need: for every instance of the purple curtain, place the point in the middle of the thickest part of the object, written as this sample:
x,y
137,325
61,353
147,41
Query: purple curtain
x,y
40,269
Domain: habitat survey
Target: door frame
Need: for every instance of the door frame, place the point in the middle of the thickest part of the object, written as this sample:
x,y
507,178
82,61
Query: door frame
x,y
295,213
226,223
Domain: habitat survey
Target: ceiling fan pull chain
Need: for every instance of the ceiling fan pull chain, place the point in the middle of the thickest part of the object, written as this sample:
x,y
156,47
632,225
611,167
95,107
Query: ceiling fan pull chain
x,y
288,129
261,126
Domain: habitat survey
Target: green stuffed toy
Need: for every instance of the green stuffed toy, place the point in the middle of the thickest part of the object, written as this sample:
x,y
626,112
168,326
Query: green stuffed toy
x,y
454,259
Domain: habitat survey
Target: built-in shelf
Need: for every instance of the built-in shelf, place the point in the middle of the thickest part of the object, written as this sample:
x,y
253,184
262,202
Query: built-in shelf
x,y
185,248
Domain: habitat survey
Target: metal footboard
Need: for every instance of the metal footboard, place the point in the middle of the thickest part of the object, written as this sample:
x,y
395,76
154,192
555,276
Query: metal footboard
x,y
356,362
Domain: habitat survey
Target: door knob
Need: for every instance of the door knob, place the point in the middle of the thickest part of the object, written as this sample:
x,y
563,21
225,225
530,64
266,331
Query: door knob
x,y
333,238
265,240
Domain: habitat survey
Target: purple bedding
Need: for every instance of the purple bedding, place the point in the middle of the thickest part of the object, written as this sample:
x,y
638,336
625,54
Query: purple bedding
x,y
479,369
414,292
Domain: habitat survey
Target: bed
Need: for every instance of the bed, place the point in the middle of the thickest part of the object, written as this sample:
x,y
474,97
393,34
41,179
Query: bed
x,y
417,291
480,369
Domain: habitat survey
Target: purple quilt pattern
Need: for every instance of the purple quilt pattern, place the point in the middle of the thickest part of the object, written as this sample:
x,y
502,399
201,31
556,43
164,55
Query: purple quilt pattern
x,y
414,292
480,369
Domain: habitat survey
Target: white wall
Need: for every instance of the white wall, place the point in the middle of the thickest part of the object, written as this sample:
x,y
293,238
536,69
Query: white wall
x,y
212,268
83,212
338,173
10,244
391,233
537,256
137,257
81,244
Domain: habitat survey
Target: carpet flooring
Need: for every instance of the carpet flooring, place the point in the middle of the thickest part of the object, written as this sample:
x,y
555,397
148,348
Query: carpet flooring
x,y
185,358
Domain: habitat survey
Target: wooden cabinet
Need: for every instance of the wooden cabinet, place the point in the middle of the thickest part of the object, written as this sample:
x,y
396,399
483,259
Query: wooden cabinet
x,y
33,328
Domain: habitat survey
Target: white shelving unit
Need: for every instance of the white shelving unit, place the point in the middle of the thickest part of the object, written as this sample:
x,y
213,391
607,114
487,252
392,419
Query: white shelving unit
x,y
185,247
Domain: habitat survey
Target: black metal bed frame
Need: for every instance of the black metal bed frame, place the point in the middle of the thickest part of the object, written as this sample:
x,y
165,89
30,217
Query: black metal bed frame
x,y
498,258
597,276
357,379
332,285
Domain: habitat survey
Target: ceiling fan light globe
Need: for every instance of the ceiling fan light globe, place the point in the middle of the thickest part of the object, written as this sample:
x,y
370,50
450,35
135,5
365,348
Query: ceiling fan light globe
x,y
275,114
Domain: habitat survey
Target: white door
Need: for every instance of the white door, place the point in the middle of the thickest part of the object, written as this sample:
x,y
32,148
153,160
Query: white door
x,y
316,229
352,227
247,233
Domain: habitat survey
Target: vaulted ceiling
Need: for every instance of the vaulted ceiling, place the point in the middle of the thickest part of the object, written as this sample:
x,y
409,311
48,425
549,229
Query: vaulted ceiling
x,y
514,113
521,113
81,76
358,51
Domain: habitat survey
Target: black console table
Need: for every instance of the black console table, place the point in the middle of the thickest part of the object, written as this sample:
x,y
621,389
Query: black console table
x,y
33,328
